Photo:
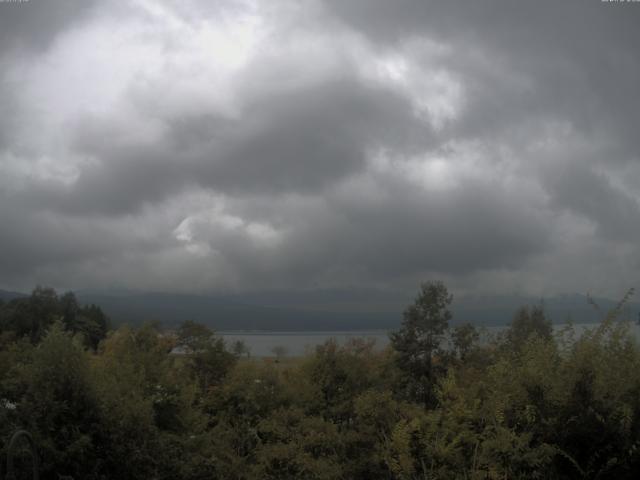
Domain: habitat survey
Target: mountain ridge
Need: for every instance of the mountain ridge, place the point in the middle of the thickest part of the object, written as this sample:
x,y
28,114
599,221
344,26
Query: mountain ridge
x,y
322,310
327,311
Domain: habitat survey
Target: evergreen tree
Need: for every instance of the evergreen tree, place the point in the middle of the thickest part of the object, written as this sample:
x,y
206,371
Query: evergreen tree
x,y
418,342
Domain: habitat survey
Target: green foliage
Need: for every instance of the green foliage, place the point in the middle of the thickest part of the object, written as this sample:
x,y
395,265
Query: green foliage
x,y
464,338
31,317
419,341
207,357
55,399
338,374
151,404
295,445
526,322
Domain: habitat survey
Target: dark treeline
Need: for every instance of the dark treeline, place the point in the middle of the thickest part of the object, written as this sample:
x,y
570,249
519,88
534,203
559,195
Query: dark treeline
x,y
437,404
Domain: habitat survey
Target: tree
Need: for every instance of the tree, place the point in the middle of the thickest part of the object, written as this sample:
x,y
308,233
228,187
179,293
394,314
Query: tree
x,y
194,336
93,324
209,360
527,322
296,445
280,352
89,320
463,338
59,405
240,348
418,341
32,316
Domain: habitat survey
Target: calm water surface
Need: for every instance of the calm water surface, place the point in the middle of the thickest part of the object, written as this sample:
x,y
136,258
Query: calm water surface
x,y
262,343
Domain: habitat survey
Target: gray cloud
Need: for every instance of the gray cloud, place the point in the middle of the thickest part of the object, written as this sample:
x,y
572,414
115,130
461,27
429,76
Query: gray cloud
x,y
301,145
41,239
615,212
577,59
417,233
34,24
296,142
306,140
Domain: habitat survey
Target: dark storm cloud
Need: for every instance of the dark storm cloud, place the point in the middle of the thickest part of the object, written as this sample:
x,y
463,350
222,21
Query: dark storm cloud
x,y
31,240
298,141
309,144
306,140
121,181
579,58
416,232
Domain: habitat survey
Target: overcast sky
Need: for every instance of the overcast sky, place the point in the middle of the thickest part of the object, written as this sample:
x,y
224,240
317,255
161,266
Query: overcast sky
x,y
199,146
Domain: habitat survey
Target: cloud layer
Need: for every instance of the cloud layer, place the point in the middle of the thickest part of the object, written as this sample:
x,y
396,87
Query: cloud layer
x,y
180,146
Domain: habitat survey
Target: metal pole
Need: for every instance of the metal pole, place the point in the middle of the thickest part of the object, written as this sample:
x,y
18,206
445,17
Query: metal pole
x,y
34,454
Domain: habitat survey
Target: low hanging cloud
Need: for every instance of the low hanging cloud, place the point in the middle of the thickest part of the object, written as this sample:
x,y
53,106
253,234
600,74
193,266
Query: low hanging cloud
x,y
185,146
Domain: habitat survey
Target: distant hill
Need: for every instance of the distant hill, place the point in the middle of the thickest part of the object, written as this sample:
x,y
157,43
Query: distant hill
x,y
8,295
321,310
326,310
234,313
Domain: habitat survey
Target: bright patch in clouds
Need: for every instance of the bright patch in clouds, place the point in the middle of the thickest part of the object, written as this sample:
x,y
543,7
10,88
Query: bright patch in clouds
x,y
437,96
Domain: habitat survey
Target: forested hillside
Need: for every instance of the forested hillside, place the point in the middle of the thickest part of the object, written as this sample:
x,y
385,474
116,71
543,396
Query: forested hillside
x,y
119,404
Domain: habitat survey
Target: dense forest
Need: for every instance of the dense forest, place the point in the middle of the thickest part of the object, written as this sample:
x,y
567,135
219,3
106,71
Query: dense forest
x,y
438,403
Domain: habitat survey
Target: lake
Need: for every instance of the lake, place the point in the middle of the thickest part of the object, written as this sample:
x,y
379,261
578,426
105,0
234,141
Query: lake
x,y
262,343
